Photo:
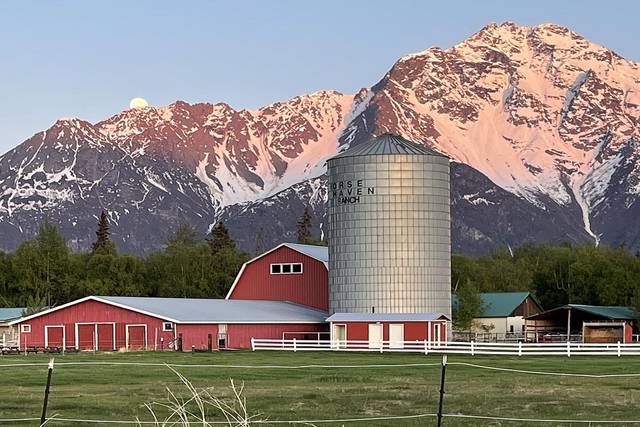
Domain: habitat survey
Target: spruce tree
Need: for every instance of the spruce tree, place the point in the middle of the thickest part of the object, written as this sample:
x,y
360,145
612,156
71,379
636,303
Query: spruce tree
x,y
259,249
220,239
103,243
304,227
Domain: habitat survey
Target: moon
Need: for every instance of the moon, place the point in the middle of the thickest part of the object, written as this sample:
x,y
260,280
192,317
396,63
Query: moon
x,y
138,103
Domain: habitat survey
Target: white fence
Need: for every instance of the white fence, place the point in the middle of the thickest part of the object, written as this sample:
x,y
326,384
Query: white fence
x,y
469,348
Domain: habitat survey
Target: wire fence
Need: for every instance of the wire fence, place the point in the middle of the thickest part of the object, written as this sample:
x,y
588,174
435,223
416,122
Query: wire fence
x,y
60,420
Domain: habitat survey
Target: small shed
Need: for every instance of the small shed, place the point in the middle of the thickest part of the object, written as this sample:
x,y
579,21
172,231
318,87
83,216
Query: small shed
x,y
8,333
504,313
396,328
583,323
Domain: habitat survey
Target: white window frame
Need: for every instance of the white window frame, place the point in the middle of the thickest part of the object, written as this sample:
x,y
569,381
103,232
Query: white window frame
x,y
25,328
169,329
290,264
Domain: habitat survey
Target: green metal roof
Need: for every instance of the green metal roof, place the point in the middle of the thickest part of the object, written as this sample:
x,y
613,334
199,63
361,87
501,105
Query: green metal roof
x,y
10,313
498,304
609,311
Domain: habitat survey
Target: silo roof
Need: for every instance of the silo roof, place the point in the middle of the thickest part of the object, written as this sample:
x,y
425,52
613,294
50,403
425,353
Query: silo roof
x,y
387,144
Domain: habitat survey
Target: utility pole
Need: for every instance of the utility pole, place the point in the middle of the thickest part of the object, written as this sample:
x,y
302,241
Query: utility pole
x,y
43,417
442,375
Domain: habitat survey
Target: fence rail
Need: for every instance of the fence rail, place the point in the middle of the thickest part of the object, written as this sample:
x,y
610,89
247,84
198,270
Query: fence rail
x,y
456,347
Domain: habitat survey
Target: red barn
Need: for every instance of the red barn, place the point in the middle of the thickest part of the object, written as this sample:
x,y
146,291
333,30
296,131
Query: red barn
x,y
139,323
289,272
393,327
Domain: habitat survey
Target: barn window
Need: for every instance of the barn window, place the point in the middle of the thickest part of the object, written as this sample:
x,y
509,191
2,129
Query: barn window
x,y
286,268
167,326
25,329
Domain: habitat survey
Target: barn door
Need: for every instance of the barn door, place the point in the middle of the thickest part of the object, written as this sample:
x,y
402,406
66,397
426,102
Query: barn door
x,y
375,335
396,335
136,337
85,335
106,337
54,336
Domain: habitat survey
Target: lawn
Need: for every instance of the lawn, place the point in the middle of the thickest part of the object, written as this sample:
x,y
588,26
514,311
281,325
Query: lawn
x,y
119,392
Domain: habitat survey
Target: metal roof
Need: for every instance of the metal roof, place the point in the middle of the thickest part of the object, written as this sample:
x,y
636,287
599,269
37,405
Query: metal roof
x,y
385,317
612,312
498,304
190,310
387,144
11,313
321,253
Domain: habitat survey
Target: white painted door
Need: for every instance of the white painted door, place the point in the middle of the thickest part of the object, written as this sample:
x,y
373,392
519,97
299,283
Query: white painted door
x,y
339,336
396,335
375,335
437,333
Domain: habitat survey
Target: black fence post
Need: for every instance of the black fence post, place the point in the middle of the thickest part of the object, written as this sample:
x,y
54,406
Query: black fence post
x,y
442,374
43,417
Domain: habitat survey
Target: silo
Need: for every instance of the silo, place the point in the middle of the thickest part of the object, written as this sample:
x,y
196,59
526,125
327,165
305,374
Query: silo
x,y
389,229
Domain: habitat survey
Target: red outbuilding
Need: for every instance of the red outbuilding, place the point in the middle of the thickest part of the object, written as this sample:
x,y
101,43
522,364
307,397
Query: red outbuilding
x,y
289,272
141,323
394,328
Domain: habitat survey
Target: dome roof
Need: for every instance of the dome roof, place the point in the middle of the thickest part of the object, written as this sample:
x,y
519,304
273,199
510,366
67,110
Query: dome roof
x,y
387,144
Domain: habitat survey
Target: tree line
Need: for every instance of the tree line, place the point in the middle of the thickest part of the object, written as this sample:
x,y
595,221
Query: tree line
x,y
554,274
43,272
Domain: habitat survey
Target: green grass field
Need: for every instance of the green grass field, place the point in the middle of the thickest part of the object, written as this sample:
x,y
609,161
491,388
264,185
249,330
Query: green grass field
x,y
119,392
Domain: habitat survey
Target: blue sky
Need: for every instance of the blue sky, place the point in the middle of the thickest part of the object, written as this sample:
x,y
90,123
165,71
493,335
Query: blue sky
x,y
88,59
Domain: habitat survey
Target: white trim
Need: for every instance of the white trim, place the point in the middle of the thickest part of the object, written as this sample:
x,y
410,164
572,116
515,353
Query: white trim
x,y
136,325
23,328
165,329
160,317
92,298
282,264
64,335
237,279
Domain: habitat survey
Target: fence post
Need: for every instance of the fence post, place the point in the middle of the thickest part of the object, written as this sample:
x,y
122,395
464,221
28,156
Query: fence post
x,y
441,402
472,349
568,348
519,348
619,353
426,348
295,345
43,417
253,344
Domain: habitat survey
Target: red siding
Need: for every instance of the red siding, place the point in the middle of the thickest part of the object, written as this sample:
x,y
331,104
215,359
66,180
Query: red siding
x,y
197,336
309,288
93,311
413,331
239,336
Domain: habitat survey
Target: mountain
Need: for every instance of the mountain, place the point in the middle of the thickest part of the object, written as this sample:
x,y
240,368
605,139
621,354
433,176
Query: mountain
x,y
540,123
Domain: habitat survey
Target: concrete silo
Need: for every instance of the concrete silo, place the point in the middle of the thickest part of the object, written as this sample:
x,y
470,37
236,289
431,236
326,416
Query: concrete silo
x,y
389,229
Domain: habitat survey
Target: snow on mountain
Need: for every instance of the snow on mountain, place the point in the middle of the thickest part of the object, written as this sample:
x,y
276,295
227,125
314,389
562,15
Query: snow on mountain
x,y
541,123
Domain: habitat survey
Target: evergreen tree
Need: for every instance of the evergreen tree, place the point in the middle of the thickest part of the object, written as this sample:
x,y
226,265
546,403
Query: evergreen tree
x,y
470,306
304,227
103,243
220,239
259,249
